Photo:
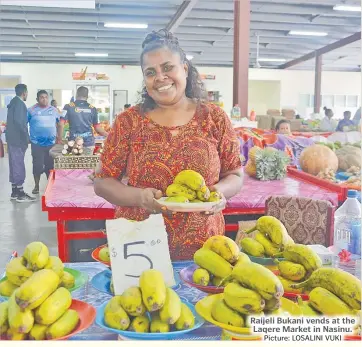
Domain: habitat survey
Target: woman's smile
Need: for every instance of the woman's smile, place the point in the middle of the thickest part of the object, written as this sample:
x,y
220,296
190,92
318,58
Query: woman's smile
x,y
165,88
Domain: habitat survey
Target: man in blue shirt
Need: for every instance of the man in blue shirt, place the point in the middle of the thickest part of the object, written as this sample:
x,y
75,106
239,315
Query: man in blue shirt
x,y
43,121
345,122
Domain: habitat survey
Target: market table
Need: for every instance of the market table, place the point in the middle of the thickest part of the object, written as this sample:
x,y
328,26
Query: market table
x,y
70,196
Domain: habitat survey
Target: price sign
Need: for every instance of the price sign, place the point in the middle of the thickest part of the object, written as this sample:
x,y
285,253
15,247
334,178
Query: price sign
x,y
135,247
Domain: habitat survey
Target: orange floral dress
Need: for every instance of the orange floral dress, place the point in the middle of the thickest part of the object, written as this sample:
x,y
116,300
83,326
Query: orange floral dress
x,y
151,156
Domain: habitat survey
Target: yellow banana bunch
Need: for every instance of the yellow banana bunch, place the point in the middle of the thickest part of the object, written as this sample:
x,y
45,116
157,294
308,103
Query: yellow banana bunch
x,y
67,280
63,326
38,332
243,300
223,314
16,271
273,228
201,277
140,324
329,304
257,277
176,189
55,264
36,289
243,258
37,255
153,289
212,262
171,310
291,271
288,286
186,320
7,288
303,255
214,196
20,321
223,246
131,300
252,247
191,179
114,314
307,309
269,247
157,326
203,195
341,283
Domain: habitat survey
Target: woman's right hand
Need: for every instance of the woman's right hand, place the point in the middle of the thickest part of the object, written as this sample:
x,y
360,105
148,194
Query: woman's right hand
x,y
148,196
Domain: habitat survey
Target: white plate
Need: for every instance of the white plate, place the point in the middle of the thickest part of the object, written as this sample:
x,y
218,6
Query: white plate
x,y
188,206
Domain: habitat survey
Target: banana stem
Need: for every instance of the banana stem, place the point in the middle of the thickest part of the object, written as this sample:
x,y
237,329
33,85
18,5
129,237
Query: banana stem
x,y
250,230
299,285
300,300
223,281
277,255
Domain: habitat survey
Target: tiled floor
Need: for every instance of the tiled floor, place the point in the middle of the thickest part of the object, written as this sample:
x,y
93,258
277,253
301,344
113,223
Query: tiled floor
x,y
25,222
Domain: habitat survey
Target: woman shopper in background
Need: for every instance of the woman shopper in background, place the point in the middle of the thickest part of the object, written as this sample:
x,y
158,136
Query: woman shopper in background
x,y
172,129
327,123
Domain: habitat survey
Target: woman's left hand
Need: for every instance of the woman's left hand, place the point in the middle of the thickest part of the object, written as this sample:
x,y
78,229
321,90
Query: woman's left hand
x,y
221,204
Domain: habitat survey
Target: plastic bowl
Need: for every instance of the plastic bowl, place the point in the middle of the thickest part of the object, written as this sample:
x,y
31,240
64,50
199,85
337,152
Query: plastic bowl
x,y
87,315
149,336
267,262
186,276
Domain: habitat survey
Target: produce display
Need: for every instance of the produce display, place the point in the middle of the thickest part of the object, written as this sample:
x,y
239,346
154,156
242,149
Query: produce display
x,y
190,187
39,303
149,308
267,163
73,147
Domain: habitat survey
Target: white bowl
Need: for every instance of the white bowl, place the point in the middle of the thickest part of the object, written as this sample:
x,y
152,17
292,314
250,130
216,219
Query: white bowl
x,y
187,206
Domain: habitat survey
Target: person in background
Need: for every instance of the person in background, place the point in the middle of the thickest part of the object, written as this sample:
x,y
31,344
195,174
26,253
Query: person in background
x,y
298,116
283,127
43,121
357,117
81,117
17,138
126,106
327,123
345,122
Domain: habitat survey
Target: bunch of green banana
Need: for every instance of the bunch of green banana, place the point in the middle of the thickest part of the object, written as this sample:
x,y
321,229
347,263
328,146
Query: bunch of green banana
x,y
303,255
288,286
131,300
243,300
344,285
329,304
252,247
291,271
176,189
259,278
223,246
114,314
191,179
224,314
269,247
212,262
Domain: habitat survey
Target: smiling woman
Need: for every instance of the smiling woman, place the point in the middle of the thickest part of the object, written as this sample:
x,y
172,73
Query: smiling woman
x,y
170,130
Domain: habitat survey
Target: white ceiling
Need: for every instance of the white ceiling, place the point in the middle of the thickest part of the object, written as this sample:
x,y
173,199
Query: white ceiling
x,y
206,32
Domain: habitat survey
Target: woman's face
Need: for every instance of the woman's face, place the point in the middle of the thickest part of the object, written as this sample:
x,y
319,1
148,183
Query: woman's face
x,y
164,76
284,128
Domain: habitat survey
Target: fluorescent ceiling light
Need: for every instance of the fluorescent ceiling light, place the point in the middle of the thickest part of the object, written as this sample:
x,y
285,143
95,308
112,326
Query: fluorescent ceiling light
x,y
126,25
89,4
272,59
347,8
307,33
11,53
189,56
91,54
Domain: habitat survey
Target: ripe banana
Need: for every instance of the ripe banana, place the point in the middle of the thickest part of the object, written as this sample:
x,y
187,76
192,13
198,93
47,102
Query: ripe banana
x,y
4,328
223,246
221,282
191,179
16,271
214,196
269,247
171,310
303,255
37,255
273,228
212,262
140,324
201,277
272,304
55,264
7,288
291,271
329,304
131,300
53,307
67,280
3,313
176,189
287,285
203,195
307,309
38,332
252,247
36,289
259,278
153,289
20,321
243,300
115,316
186,320
341,283
15,336
223,314
157,326
243,258
104,254
63,326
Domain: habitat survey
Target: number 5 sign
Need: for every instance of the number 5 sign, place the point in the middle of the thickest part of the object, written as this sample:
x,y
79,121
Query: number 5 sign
x,y
135,247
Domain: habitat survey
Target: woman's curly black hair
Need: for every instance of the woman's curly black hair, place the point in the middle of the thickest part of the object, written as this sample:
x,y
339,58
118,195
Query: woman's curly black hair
x,y
155,40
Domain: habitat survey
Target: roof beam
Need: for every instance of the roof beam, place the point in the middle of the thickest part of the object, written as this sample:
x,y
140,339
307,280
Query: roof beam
x,y
333,46
182,12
